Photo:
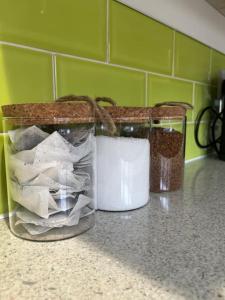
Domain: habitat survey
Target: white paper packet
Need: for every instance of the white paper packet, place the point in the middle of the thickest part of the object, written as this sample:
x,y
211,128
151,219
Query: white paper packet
x,y
66,178
56,148
27,138
44,180
25,172
36,199
57,220
76,135
36,225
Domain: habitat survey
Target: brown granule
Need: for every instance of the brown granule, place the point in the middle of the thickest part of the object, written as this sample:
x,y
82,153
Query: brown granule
x,y
167,160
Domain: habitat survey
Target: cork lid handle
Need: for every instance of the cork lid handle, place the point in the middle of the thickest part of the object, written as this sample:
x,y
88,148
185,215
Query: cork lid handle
x,y
103,115
185,105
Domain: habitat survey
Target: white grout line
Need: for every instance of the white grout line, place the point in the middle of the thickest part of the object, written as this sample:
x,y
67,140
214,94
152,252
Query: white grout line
x,y
51,52
173,77
193,100
107,33
146,89
210,65
174,52
101,62
26,47
54,80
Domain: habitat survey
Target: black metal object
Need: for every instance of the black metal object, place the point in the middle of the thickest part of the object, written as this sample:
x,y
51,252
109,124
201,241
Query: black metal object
x,y
217,143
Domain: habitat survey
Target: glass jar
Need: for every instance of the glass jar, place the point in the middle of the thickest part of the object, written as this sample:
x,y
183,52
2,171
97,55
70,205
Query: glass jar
x,y
49,150
167,140
123,158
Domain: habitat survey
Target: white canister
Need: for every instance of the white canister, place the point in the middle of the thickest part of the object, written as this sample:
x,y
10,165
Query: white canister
x,y
123,161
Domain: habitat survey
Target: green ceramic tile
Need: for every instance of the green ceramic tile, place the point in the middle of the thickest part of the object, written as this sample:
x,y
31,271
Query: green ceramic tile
x,y
138,41
3,190
203,98
192,150
1,125
161,89
192,59
26,76
87,78
75,27
218,63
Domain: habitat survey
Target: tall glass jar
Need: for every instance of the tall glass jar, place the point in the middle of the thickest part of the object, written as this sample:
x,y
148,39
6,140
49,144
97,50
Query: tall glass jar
x,y
123,158
167,139
49,151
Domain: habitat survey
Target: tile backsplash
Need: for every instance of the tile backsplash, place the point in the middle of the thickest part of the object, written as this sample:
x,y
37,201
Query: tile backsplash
x,y
138,41
94,79
100,48
192,59
75,27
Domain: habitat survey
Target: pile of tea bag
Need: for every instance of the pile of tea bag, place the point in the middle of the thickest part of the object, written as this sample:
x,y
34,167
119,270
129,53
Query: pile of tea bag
x,y
51,176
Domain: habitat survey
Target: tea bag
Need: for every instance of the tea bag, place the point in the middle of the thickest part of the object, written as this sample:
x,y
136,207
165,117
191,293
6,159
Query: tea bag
x,y
56,148
66,178
49,180
76,135
57,220
84,151
44,180
34,229
61,194
27,138
36,199
26,172
27,156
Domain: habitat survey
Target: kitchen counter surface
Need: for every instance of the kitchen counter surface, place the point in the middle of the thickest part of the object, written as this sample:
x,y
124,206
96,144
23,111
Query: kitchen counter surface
x,y
174,248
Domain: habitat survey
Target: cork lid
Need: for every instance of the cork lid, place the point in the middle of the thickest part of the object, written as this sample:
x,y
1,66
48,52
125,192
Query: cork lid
x,y
168,112
143,114
123,114
49,113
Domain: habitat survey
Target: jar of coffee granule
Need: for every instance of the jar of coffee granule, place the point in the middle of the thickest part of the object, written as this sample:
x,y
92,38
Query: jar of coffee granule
x,y
167,140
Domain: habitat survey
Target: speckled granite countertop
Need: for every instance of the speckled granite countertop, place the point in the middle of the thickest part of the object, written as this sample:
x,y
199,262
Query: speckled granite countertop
x,y
174,248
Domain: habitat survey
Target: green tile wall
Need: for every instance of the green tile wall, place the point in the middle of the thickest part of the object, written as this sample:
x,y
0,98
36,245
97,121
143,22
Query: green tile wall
x,y
192,59
76,27
168,89
25,75
87,78
138,41
51,48
192,150
203,97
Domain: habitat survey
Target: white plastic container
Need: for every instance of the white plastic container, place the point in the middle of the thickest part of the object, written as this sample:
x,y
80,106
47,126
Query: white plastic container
x,y
123,160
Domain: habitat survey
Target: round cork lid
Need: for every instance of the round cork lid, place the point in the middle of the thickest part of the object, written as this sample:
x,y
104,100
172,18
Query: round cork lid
x,y
49,113
143,114
125,114
168,112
